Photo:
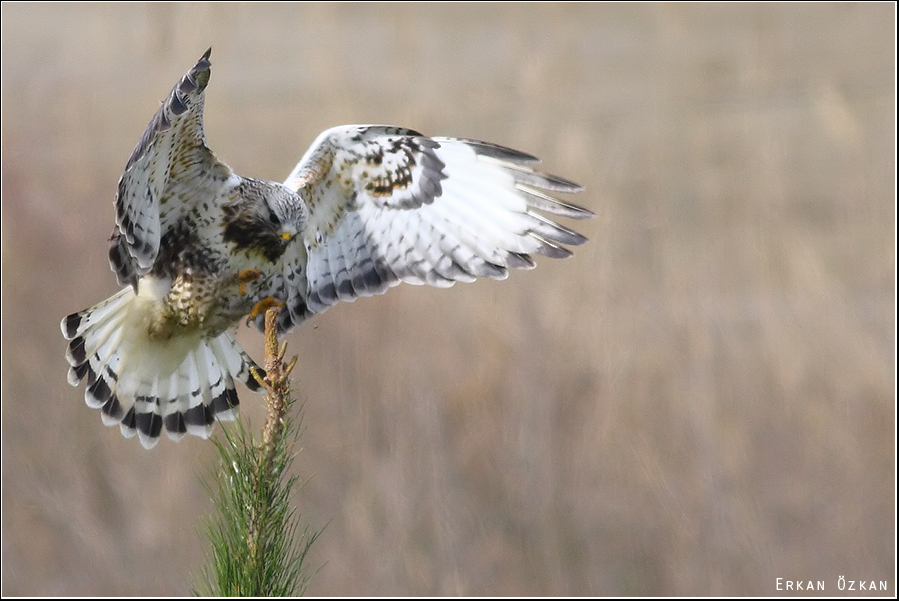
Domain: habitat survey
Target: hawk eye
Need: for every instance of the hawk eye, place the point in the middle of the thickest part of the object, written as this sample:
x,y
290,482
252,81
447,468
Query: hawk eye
x,y
273,219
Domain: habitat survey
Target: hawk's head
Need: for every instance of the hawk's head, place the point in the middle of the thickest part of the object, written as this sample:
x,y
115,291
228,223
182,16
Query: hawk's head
x,y
286,212
264,219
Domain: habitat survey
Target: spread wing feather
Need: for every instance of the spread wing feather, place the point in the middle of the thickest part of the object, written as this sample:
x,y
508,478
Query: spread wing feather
x,y
388,205
170,168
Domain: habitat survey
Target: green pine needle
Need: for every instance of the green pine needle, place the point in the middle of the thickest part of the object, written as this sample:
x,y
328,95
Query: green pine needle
x,y
257,546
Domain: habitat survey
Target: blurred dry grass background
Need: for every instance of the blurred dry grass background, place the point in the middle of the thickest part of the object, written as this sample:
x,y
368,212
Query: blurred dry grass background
x,y
701,401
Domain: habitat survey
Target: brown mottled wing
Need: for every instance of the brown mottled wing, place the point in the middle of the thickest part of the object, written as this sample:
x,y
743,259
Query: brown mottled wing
x,y
388,205
169,169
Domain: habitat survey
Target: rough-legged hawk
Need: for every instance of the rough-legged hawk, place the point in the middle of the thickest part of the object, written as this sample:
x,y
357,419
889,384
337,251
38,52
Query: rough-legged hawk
x,y
197,247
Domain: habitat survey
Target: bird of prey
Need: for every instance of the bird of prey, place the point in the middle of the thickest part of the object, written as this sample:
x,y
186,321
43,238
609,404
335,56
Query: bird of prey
x,y
197,247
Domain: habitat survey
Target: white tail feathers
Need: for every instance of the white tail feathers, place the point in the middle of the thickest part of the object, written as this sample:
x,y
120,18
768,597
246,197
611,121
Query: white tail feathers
x,y
182,384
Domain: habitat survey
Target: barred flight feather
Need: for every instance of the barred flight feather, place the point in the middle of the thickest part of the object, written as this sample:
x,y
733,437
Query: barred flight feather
x,y
197,248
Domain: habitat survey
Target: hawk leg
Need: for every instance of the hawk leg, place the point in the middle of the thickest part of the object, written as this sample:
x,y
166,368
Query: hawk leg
x,y
263,306
245,277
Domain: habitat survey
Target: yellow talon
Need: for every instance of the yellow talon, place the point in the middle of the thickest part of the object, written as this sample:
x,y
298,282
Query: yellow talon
x,y
263,306
245,277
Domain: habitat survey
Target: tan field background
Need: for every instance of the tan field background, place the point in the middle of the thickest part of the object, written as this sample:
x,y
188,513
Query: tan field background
x,y
700,401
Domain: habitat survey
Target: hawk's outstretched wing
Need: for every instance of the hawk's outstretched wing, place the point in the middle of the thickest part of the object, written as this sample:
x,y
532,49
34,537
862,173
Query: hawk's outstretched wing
x,y
388,205
170,169
366,208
